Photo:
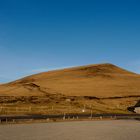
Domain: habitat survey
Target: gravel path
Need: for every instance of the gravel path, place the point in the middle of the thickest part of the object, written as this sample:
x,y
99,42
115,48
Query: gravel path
x,y
84,130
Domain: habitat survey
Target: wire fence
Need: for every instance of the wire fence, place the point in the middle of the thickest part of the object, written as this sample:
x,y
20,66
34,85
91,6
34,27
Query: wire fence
x,y
4,110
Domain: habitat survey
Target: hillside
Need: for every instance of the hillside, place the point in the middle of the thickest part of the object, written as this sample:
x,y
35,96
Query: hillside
x,y
102,80
99,85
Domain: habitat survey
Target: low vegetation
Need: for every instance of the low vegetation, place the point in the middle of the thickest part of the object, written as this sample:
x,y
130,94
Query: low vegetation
x,y
103,88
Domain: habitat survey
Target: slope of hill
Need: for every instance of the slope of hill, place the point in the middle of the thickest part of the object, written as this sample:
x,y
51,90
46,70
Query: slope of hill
x,y
102,81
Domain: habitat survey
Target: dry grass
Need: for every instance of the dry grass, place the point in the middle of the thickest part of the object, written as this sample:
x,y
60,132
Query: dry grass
x,y
95,86
94,105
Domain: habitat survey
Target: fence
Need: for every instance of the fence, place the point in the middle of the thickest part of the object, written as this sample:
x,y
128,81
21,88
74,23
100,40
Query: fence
x,y
4,110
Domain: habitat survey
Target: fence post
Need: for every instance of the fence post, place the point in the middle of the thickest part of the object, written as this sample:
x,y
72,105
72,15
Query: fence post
x,y
16,109
64,117
30,109
1,109
91,114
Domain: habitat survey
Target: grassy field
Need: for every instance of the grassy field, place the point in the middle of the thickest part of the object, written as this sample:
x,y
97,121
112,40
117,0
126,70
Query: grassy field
x,y
78,106
101,88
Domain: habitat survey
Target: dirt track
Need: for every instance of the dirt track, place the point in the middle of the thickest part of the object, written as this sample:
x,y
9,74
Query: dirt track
x,y
95,130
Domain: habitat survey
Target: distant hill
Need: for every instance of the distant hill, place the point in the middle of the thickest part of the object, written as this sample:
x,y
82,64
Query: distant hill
x,y
104,88
100,80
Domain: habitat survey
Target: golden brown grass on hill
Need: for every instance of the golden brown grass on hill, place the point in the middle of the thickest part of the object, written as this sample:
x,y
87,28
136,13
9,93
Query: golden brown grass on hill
x,y
101,81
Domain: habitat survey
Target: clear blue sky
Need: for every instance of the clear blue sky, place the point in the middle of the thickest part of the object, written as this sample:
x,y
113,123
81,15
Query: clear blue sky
x,y
39,35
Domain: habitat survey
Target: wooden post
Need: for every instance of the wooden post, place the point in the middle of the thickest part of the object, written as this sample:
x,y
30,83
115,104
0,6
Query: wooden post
x,y
1,109
91,114
64,117
84,107
16,109
13,120
30,108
